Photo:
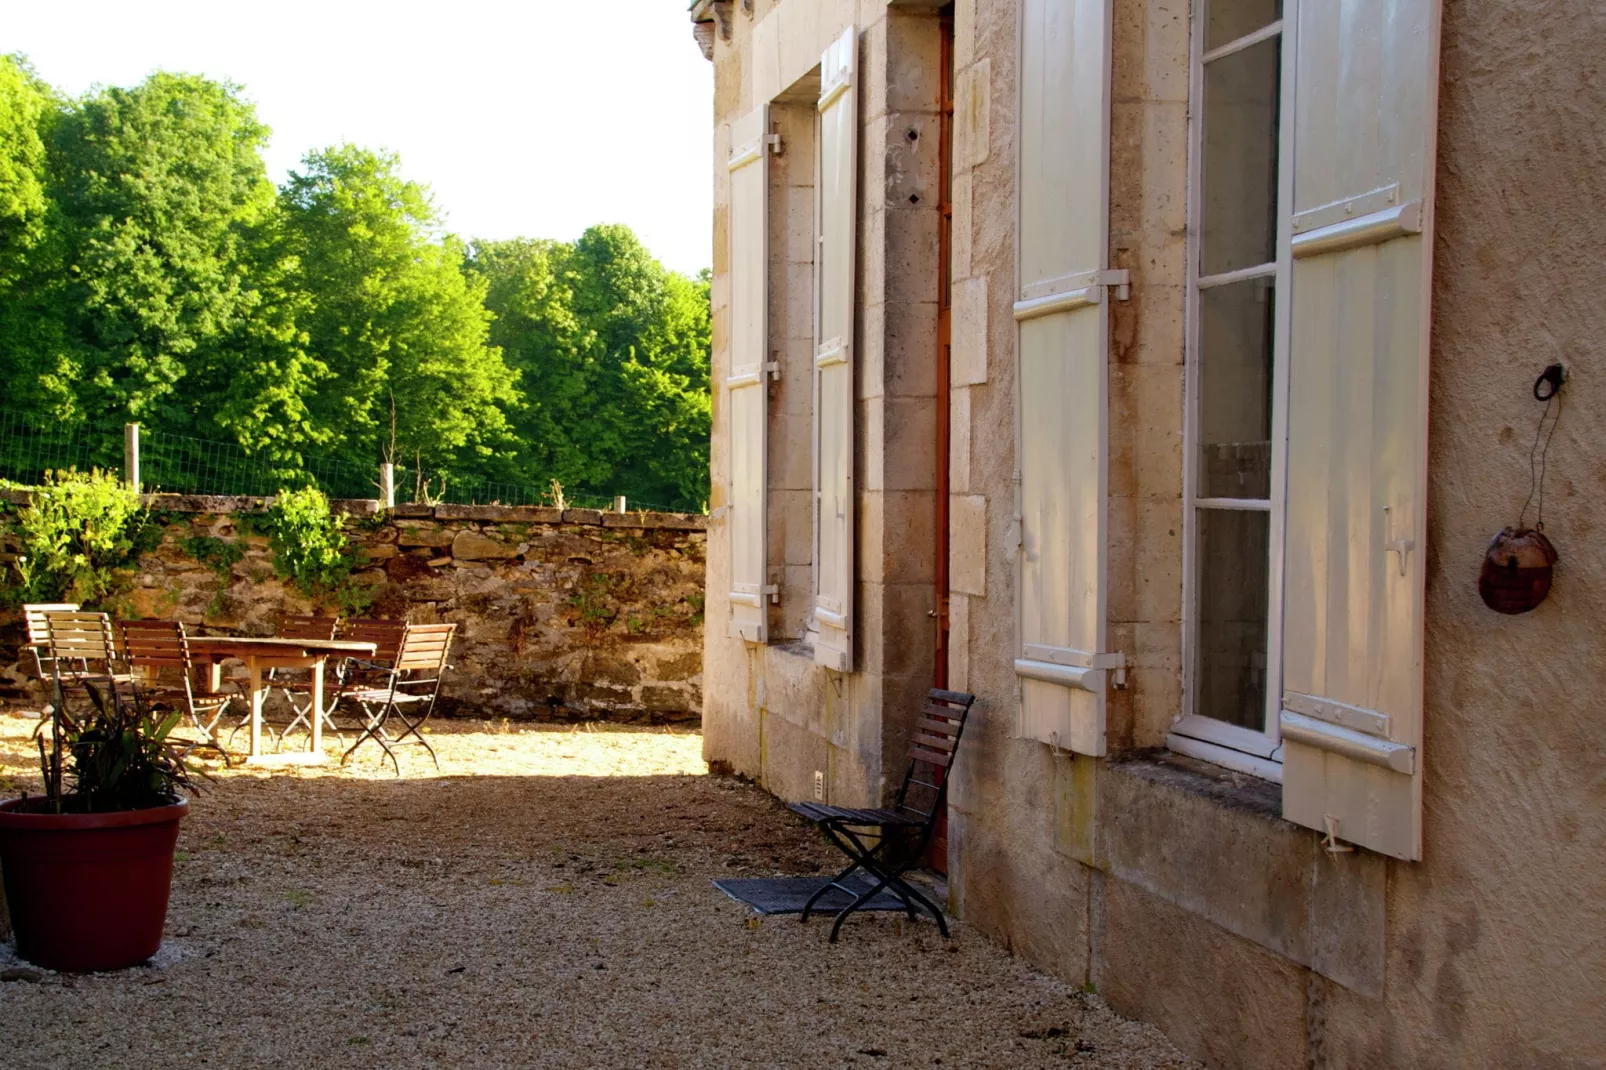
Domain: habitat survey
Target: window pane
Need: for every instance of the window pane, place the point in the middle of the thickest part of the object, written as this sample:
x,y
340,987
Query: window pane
x,y
1230,669
1232,19
1240,159
1235,358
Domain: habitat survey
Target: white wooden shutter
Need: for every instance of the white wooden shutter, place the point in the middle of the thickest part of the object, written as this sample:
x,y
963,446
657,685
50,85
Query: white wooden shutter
x,y
1063,244
1366,81
746,390
833,355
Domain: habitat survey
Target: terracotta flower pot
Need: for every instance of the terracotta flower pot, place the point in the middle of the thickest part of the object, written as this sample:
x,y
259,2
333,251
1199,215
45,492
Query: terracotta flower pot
x,y
87,891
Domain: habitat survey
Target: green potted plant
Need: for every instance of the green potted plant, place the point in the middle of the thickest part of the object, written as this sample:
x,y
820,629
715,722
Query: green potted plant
x,y
88,865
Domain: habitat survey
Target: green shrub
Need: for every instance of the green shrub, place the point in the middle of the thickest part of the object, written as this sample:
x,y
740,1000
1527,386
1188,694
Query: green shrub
x,y
308,542
80,530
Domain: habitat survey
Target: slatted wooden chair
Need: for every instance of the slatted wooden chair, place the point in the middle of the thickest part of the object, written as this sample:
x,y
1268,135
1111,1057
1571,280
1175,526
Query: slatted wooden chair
x,y
38,641
158,651
903,830
83,653
386,635
408,694
300,626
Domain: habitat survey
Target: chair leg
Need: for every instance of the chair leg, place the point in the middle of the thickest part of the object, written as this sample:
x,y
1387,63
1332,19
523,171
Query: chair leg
x,y
412,729
374,729
863,858
834,882
886,877
864,897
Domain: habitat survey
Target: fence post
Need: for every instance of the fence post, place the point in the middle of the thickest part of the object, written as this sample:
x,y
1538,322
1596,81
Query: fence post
x,y
131,456
387,486
619,504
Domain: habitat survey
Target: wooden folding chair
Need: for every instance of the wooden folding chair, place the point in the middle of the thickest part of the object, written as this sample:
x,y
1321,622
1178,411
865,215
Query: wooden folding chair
x,y
38,640
294,626
908,823
83,652
409,692
153,646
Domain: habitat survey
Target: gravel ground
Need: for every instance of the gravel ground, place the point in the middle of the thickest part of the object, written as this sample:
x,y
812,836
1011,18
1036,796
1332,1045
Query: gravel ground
x,y
543,901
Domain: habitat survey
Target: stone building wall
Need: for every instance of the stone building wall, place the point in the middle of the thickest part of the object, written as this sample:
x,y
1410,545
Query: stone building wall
x,y
563,614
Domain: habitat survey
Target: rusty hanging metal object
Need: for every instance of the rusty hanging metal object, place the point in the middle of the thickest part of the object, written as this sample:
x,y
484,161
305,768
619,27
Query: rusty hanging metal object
x,y
1521,561
1517,570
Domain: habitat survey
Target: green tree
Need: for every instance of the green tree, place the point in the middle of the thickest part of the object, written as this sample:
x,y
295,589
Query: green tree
x,y
613,350
25,104
392,317
155,187
32,341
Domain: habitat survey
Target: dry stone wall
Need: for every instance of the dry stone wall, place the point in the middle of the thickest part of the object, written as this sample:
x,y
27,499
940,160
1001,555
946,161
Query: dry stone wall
x,y
563,614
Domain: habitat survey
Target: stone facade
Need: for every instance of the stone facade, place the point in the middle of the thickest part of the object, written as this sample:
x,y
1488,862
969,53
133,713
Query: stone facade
x,y
1173,884
563,615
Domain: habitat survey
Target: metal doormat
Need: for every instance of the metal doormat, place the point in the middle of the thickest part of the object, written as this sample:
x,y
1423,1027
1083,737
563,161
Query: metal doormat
x,y
786,895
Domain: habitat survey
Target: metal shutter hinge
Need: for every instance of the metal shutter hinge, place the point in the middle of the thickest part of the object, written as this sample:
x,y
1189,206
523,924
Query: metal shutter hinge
x,y
1120,279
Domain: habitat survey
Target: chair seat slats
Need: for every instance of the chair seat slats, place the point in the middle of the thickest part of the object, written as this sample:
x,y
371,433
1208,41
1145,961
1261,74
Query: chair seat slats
x,y
851,815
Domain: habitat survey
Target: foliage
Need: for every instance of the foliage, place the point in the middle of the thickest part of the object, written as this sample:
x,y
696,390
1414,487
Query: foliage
x,y
150,272
154,188
308,541
220,555
612,350
119,758
594,603
79,530
393,317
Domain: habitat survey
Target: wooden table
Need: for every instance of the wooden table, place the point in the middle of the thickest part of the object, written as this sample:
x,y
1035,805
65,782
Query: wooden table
x,y
262,654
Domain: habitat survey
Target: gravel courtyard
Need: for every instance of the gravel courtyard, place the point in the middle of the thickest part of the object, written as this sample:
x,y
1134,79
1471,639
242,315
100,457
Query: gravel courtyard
x,y
543,901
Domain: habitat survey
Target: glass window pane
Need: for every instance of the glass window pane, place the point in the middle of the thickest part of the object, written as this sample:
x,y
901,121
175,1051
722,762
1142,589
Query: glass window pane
x,y
1230,668
1232,19
1235,361
1240,159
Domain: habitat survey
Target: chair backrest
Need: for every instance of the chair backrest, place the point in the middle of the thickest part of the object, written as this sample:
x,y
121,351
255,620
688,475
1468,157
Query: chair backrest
x,y
386,635
155,644
424,647
33,614
75,635
932,748
306,626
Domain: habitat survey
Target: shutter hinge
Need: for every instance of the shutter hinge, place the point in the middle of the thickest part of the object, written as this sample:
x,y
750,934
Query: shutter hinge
x,y
773,591
1014,538
1118,278
774,369
776,146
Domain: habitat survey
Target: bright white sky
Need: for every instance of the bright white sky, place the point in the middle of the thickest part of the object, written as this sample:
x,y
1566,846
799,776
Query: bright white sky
x,y
532,118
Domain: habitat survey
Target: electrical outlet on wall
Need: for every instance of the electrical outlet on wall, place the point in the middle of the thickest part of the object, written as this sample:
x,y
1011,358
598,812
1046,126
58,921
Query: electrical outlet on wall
x,y
819,785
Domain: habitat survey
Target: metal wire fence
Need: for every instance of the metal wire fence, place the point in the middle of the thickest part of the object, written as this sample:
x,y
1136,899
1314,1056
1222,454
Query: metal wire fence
x,y
28,450
179,464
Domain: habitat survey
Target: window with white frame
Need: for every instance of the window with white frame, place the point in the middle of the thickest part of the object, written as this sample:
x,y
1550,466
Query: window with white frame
x,y
1237,345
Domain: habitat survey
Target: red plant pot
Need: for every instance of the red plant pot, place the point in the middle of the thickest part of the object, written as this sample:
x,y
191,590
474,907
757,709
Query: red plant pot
x,y
87,891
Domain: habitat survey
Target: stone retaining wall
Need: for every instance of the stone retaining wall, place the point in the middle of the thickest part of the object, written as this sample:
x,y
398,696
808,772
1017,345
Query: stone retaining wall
x,y
564,614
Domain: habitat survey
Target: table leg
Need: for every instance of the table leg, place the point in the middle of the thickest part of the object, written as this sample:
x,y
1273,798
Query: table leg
x,y
256,706
208,676
317,706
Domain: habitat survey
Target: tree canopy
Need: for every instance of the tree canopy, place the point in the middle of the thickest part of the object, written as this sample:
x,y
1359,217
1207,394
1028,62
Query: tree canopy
x,y
151,272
